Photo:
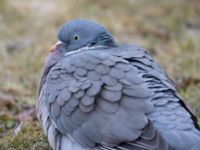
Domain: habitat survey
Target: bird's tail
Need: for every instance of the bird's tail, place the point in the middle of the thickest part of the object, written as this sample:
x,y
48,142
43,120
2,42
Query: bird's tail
x,y
150,139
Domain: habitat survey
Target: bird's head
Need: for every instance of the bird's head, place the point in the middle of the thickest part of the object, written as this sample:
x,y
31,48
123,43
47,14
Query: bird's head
x,y
77,34
81,33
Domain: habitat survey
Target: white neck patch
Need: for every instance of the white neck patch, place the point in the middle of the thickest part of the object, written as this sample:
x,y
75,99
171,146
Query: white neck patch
x,y
81,49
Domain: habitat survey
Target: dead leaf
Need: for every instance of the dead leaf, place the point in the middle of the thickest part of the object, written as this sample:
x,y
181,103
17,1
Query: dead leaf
x,y
159,32
184,82
27,115
6,100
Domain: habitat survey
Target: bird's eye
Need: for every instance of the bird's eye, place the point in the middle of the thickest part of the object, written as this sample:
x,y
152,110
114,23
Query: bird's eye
x,y
76,37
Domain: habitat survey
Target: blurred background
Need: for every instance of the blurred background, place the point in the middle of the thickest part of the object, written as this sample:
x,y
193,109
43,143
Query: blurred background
x,y
170,30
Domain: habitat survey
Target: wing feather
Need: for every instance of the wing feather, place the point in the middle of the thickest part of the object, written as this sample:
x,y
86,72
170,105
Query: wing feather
x,y
103,102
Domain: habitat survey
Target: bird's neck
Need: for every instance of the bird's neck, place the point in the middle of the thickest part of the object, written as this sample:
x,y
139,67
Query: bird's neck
x,y
53,58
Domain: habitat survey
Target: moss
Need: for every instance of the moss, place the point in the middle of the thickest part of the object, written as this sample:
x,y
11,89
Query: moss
x,y
192,96
29,138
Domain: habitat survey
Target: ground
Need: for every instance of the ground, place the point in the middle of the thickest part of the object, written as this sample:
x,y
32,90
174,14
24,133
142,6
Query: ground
x,y
170,30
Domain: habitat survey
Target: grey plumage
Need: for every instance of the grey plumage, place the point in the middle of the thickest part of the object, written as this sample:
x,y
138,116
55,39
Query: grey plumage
x,y
109,97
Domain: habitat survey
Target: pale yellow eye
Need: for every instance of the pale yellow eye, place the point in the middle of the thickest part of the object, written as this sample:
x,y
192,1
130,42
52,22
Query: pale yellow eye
x,y
76,37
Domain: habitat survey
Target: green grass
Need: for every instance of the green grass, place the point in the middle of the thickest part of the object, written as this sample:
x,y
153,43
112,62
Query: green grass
x,y
29,138
28,29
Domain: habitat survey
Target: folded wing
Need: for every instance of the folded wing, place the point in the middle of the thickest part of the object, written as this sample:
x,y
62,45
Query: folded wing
x,y
100,99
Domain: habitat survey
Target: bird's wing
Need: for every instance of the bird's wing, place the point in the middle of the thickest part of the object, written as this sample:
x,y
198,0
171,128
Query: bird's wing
x,y
156,78
100,99
170,113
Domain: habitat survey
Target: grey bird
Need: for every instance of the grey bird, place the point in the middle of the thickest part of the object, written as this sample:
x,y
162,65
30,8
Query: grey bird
x,y
95,94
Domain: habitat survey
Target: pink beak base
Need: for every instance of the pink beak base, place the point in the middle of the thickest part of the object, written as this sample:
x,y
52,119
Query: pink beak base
x,y
55,46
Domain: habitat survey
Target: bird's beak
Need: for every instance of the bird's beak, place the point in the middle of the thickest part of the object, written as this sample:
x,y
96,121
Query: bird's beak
x,y
56,46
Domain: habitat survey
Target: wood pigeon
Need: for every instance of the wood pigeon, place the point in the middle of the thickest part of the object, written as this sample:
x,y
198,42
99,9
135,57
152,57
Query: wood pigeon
x,y
95,94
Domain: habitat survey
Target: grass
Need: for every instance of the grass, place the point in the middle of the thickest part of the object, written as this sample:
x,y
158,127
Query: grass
x,y
29,138
169,30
